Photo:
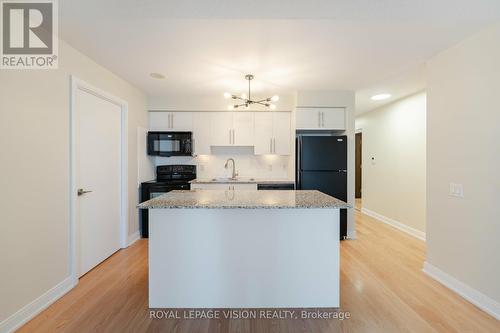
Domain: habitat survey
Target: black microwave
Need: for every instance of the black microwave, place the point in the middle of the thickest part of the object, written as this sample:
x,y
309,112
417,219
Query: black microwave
x,y
170,144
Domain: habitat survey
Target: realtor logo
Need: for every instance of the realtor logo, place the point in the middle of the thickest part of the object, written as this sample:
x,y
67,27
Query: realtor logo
x,y
29,34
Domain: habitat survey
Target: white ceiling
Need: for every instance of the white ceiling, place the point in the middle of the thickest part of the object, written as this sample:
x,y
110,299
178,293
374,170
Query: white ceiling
x,y
205,47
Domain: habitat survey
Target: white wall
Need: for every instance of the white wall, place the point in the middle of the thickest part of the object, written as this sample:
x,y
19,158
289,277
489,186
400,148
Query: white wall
x,y
393,183
34,177
344,99
463,146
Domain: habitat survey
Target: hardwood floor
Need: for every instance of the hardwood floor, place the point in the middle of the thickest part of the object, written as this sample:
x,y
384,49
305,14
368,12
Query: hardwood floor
x,y
382,287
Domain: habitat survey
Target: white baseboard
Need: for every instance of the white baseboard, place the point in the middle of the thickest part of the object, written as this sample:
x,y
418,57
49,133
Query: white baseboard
x,y
133,238
30,310
351,234
396,224
477,298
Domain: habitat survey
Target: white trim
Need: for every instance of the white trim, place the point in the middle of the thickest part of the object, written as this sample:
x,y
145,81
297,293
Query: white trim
x,y
488,305
396,224
133,238
30,310
351,235
77,84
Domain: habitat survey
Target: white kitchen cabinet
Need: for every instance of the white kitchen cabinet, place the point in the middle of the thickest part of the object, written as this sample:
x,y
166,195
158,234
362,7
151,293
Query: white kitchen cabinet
x,y
263,142
159,121
272,133
224,186
281,133
243,128
320,118
221,128
181,121
333,118
202,138
170,121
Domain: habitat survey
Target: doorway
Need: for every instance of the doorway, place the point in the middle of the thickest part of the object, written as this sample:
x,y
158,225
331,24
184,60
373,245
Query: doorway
x,y
98,194
358,168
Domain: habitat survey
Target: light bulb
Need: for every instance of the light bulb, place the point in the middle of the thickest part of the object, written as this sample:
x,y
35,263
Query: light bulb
x,y
275,98
230,107
227,95
272,106
380,97
244,96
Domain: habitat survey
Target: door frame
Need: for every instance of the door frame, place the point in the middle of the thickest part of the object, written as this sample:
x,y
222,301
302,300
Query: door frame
x,y
77,84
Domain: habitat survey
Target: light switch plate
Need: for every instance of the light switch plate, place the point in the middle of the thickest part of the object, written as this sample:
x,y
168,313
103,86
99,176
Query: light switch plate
x,y
456,190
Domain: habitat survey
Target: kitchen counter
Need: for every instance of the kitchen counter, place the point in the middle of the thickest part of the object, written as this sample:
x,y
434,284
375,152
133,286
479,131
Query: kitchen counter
x,y
216,199
244,249
241,181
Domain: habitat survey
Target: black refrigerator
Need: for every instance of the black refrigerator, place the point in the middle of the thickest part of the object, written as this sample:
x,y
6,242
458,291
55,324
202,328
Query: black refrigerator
x,y
321,164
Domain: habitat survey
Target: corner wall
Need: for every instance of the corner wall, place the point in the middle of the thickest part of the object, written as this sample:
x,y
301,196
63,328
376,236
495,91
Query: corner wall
x,y
463,140
393,163
34,141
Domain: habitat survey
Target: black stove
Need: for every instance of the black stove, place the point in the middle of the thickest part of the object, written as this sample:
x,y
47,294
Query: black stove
x,y
168,178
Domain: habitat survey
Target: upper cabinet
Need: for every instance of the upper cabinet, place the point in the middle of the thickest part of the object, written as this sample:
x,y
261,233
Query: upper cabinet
x,y
272,133
221,128
321,118
243,128
202,138
269,132
232,128
171,121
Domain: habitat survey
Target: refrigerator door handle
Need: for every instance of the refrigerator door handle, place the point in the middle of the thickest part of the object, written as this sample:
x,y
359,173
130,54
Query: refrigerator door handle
x,y
298,164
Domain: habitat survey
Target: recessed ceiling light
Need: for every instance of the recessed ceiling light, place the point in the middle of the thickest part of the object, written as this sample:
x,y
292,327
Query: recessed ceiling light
x,y
157,76
380,97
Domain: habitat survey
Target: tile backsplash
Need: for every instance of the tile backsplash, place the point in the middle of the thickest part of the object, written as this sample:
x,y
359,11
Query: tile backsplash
x,y
247,164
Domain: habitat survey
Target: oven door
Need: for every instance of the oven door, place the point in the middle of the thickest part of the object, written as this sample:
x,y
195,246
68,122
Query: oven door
x,y
169,143
150,191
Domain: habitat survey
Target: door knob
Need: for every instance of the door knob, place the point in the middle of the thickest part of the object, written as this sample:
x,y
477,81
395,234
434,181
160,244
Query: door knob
x,y
82,191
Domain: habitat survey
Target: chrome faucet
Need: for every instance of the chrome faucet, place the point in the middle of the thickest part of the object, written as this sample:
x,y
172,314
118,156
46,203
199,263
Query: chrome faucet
x,y
234,174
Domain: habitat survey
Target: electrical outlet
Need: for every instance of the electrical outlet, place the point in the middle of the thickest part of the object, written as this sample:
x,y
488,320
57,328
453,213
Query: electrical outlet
x,y
270,167
456,190
202,167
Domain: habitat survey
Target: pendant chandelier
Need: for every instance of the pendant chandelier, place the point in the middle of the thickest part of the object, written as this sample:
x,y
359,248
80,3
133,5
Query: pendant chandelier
x,y
244,100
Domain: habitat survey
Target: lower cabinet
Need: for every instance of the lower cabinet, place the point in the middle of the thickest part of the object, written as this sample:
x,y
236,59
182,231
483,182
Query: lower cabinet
x,y
221,186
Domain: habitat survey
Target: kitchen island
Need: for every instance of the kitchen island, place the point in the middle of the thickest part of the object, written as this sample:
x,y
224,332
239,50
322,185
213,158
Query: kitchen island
x,y
243,249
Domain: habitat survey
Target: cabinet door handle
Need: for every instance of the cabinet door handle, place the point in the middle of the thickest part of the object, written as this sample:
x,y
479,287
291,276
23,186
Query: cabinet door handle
x,y
230,137
319,119
270,145
322,119
233,136
172,120
274,145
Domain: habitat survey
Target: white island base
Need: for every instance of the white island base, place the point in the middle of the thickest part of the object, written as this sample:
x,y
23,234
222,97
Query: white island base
x,y
244,258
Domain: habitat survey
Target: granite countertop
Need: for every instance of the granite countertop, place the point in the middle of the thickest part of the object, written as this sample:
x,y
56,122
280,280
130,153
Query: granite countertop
x,y
241,181
250,199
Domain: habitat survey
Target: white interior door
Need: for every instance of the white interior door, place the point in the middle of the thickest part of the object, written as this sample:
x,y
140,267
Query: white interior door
x,y
98,169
